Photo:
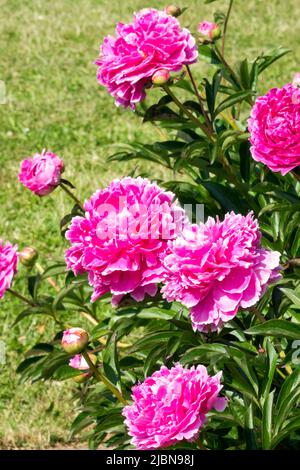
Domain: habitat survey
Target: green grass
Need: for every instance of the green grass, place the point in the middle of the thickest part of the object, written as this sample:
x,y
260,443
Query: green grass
x,y
54,102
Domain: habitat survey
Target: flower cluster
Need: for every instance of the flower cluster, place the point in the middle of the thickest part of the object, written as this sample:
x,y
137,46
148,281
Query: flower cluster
x,y
8,265
171,406
122,236
41,174
217,267
274,126
154,40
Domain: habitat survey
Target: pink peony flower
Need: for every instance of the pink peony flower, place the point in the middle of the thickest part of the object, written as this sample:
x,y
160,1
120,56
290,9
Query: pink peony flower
x,y
171,406
41,173
154,40
8,265
209,30
120,239
74,340
217,267
78,362
274,126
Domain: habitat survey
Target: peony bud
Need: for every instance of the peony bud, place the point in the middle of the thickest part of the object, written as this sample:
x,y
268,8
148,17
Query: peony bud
x,y
296,80
79,362
161,77
74,340
41,174
80,379
173,10
28,256
209,30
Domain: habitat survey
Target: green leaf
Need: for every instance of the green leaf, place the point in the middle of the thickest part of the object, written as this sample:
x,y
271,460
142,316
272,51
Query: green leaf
x,y
272,362
270,57
249,425
232,100
245,160
53,362
267,421
98,332
199,352
155,338
152,359
207,53
244,365
82,421
65,372
39,349
245,75
288,396
65,291
292,425
159,112
229,198
280,207
281,328
33,284
111,361
156,313
54,270
295,249
32,311
292,295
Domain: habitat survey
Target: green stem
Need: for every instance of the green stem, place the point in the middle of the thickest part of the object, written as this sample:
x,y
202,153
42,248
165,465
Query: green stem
x,y
188,113
67,190
207,120
101,378
21,297
225,26
226,65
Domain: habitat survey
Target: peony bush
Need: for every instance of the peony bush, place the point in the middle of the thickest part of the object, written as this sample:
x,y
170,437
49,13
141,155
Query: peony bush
x,y
176,304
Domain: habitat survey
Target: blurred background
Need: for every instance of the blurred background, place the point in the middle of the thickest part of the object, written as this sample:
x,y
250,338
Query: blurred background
x,y
53,101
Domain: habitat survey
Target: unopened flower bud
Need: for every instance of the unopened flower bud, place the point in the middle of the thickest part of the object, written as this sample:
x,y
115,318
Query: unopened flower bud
x,y
210,31
79,362
74,340
28,256
161,77
296,80
173,10
80,379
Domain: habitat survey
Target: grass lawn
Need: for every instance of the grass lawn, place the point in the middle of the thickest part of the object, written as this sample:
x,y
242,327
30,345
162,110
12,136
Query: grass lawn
x,y
54,102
